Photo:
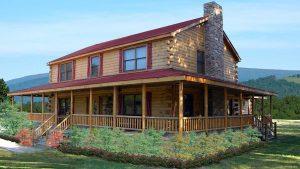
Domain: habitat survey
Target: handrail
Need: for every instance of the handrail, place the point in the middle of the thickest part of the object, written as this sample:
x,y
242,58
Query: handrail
x,y
42,129
62,126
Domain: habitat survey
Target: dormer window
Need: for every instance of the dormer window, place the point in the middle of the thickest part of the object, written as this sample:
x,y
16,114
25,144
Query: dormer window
x,y
95,65
66,71
135,59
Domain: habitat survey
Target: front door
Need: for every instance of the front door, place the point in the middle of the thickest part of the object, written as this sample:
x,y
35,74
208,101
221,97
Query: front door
x,y
63,108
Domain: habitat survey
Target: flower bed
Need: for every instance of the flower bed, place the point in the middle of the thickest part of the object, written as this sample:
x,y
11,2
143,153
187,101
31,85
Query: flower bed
x,y
159,161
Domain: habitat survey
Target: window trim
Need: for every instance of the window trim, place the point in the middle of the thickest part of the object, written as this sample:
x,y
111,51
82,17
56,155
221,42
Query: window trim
x,y
135,58
90,66
72,71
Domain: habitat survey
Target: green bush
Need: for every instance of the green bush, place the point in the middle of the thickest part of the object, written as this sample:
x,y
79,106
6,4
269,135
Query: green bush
x,y
153,143
12,121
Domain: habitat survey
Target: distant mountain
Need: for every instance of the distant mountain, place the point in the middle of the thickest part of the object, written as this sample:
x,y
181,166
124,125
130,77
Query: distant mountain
x,y
245,74
252,73
28,81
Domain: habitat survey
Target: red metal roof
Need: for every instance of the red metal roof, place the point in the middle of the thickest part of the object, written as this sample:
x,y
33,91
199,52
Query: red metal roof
x,y
131,38
127,77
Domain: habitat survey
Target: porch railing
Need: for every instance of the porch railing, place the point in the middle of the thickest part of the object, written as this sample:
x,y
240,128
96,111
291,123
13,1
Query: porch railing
x,y
102,120
193,124
39,116
80,119
129,122
169,124
215,123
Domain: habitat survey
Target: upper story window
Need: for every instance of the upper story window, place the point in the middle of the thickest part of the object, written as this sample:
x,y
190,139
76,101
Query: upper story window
x,y
65,71
135,59
95,65
200,62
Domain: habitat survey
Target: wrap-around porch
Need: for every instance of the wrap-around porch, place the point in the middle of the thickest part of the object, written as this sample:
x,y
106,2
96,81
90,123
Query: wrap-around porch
x,y
178,106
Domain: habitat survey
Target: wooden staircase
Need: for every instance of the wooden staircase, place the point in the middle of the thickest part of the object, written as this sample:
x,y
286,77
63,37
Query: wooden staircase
x,y
61,127
44,128
266,126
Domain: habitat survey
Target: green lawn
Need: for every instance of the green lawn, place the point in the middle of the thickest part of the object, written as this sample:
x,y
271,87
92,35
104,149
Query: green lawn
x,y
281,153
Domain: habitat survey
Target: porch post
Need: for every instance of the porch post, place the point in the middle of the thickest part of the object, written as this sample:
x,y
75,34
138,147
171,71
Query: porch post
x,y
90,108
43,100
72,103
271,105
144,107
252,106
225,108
21,103
31,104
55,106
115,105
206,107
241,110
12,101
262,105
180,112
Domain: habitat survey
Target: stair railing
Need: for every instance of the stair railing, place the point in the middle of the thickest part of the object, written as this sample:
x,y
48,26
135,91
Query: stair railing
x,y
62,126
43,128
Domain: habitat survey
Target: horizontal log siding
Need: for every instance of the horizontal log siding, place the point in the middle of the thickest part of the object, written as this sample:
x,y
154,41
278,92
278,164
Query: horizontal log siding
x,y
185,49
53,73
229,65
81,68
111,63
160,54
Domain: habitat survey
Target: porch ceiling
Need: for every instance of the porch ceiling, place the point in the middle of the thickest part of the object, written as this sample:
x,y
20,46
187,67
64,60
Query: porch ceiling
x,y
145,77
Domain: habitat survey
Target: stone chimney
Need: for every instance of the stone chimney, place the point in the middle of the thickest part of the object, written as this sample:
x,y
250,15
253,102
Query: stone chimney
x,y
214,44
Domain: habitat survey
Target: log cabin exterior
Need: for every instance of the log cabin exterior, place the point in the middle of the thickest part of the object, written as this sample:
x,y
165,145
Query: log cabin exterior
x,y
178,78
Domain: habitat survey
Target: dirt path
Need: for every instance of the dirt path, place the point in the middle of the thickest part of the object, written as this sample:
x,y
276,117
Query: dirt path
x,y
16,148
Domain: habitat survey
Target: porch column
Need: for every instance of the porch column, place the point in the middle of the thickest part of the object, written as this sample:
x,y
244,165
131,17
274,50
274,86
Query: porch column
x,y
21,103
206,107
43,100
271,105
225,108
31,104
115,105
252,105
12,101
91,108
55,106
180,111
144,107
262,105
72,103
241,110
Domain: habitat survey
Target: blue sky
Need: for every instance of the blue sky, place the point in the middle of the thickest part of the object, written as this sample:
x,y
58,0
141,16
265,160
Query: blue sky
x,y
266,33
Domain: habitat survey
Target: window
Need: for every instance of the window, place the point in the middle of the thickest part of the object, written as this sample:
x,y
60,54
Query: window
x,y
200,62
135,59
66,71
188,105
64,107
132,105
95,64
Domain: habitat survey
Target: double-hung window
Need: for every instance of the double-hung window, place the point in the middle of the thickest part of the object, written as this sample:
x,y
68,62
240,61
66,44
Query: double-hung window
x,y
135,59
200,62
66,71
95,65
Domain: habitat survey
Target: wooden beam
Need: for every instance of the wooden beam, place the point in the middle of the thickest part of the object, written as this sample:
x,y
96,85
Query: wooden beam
x,y
241,110
91,108
262,106
144,109
115,105
271,105
225,108
72,102
12,101
206,107
180,111
252,105
31,104
55,106
43,105
21,103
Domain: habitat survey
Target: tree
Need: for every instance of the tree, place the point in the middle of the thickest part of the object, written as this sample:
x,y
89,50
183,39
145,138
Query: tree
x,y
3,90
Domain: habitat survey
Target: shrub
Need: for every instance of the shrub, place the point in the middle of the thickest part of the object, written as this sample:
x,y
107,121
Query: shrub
x,y
253,134
55,139
10,138
11,120
25,137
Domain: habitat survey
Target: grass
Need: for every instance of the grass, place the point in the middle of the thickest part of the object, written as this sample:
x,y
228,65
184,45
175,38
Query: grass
x,y
281,153
293,79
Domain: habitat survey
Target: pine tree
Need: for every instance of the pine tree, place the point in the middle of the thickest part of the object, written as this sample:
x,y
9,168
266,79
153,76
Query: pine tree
x,y
3,90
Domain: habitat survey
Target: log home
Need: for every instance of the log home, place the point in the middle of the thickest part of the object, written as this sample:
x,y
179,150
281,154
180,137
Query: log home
x,y
178,78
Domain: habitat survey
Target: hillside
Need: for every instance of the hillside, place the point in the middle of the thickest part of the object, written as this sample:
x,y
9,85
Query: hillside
x,y
280,86
28,81
295,79
253,73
